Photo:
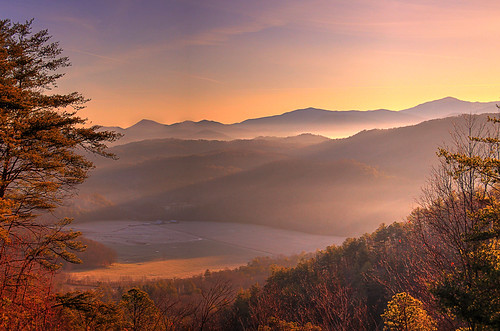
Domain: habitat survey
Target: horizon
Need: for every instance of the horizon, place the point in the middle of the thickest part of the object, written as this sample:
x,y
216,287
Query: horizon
x,y
293,110
249,211
228,61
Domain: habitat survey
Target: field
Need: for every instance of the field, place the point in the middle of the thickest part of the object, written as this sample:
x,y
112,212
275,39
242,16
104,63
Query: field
x,y
166,249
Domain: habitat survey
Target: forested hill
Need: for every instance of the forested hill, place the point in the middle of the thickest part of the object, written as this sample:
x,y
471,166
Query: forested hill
x,y
307,183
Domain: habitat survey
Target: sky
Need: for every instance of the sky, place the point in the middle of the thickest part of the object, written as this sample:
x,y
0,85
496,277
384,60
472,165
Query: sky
x,y
230,60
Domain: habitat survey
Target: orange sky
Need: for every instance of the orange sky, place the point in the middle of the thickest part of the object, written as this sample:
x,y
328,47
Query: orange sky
x,y
228,60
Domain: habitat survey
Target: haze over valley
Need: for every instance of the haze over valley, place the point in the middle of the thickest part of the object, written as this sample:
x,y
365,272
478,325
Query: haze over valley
x,y
331,124
306,183
249,165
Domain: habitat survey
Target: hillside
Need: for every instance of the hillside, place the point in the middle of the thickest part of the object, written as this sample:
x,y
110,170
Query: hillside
x,y
319,197
307,183
407,151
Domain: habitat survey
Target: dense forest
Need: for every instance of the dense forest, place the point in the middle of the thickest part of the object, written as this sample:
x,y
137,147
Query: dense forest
x,y
439,270
390,279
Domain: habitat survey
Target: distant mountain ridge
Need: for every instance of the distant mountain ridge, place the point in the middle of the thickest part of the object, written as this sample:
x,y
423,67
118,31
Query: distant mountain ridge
x,y
334,124
307,183
450,106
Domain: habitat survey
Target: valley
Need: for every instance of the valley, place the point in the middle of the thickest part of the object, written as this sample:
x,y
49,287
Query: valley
x,y
236,200
249,165
172,249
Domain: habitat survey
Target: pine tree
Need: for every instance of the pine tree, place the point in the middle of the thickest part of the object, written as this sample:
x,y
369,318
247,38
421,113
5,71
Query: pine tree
x,y
140,310
42,146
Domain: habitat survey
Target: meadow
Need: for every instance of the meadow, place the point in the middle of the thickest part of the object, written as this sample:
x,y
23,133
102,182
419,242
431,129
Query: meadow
x,y
173,249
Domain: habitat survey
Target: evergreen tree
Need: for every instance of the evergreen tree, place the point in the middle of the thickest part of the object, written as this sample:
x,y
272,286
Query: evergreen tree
x,y
140,310
42,146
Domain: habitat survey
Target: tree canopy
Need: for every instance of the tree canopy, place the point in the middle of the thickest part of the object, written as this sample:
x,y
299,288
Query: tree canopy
x,y
41,136
42,157
404,313
458,224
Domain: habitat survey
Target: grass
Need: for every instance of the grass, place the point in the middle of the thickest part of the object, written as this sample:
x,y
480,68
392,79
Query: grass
x,y
168,250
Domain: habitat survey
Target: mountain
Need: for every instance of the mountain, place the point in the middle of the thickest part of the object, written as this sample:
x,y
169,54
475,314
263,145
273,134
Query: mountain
x,y
409,151
147,129
309,120
309,183
450,106
314,116
326,122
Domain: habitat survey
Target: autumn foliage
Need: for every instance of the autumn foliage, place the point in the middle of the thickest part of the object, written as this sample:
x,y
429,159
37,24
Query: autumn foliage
x,y
440,270
41,161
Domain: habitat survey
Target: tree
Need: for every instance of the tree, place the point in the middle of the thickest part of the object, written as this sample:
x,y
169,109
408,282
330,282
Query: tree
x,y
405,313
216,294
42,146
280,325
140,310
457,224
85,311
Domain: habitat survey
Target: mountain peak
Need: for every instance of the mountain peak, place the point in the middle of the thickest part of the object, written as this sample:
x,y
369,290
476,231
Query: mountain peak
x,y
438,103
447,99
308,109
145,123
449,106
